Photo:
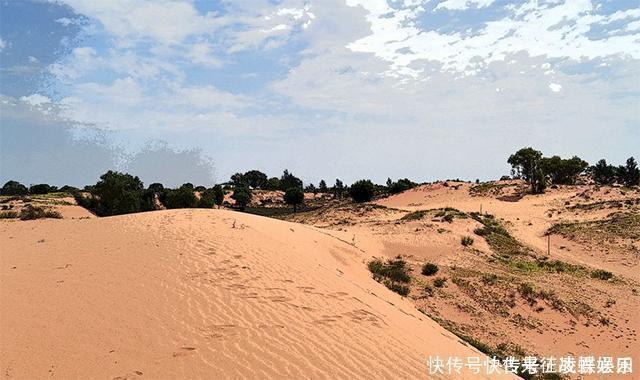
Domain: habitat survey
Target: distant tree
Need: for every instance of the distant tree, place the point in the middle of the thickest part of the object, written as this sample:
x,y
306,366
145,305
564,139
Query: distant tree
x,y
41,188
630,174
218,195
338,189
288,180
526,164
148,200
272,184
362,191
603,173
116,193
187,185
199,188
156,188
207,199
322,186
563,171
294,196
68,189
14,188
182,197
238,180
255,179
242,196
399,186
311,188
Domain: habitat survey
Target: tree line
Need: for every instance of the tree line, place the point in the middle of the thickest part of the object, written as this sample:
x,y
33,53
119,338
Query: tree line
x,y
529,164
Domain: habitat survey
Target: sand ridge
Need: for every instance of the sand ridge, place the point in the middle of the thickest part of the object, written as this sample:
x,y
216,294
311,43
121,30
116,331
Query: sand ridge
x,y
202,293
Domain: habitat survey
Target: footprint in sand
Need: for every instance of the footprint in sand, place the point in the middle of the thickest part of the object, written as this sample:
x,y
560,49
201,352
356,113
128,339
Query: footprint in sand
x,y
184,351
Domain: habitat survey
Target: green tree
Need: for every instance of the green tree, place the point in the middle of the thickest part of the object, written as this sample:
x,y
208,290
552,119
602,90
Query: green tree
x,y
238,180
603,173
322,186
14,188
311,188
207,199
255,178
362,191
338,189
272,184
242,196
525,164
401,185
288,180
156,188
294,196
182,197
116,193
41,188
630,174
563,171
218,195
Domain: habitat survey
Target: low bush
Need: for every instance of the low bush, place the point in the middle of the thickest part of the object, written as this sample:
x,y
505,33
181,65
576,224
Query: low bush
x,y
8,215
466,241
601,274
439,282
393,273
30,212
429,269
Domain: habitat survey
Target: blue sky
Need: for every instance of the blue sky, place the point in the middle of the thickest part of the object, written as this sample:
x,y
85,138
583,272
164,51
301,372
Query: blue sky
x,y
177,91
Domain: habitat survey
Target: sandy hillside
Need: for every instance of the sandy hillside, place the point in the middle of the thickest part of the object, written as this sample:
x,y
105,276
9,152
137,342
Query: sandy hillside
x,y
504,291
201,293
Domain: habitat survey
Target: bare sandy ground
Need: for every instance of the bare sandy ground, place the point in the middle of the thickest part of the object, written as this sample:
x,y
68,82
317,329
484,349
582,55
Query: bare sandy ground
x,y
201,294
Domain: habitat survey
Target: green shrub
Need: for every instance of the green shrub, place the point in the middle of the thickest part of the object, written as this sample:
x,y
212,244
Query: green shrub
x,y
30,212
393,273
362,191
489,279
401,289
439,282
466,240
429,269
41,188
448,218
601,274
207,199
116,193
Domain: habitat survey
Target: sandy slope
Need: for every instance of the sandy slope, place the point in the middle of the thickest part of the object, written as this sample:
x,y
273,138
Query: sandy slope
x,y
201,293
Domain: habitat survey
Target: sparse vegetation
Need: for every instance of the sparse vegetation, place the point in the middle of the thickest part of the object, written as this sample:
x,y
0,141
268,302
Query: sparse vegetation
x,y
439,282
394,274
30,212
602,274
8,214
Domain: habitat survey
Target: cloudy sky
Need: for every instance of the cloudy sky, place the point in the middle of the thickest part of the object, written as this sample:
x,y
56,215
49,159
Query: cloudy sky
x,y
177,91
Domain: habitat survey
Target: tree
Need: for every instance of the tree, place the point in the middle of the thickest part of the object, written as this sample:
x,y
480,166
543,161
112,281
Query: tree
x,y
630,174
255,178
68,189
272,184
525,163
156,188
115,194
322,186
238,180
338,189
182,197
563,171
218,195
399,186
311,188
207,199
41,188
603,174
362,191
14,188
294,196
242,196
288,180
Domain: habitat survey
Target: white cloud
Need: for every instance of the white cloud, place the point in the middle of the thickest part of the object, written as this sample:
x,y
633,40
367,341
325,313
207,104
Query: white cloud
x,y
555,87
36,100
554,30
461,5
3,44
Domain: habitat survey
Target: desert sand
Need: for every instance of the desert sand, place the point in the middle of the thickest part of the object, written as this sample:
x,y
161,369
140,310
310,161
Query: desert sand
x,y
202,294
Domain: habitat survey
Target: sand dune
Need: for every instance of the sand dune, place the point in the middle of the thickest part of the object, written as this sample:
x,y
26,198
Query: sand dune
x,y
201,293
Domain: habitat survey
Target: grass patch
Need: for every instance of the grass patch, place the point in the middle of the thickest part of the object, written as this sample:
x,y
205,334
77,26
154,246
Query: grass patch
x,y
439,282
619,225
415,215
